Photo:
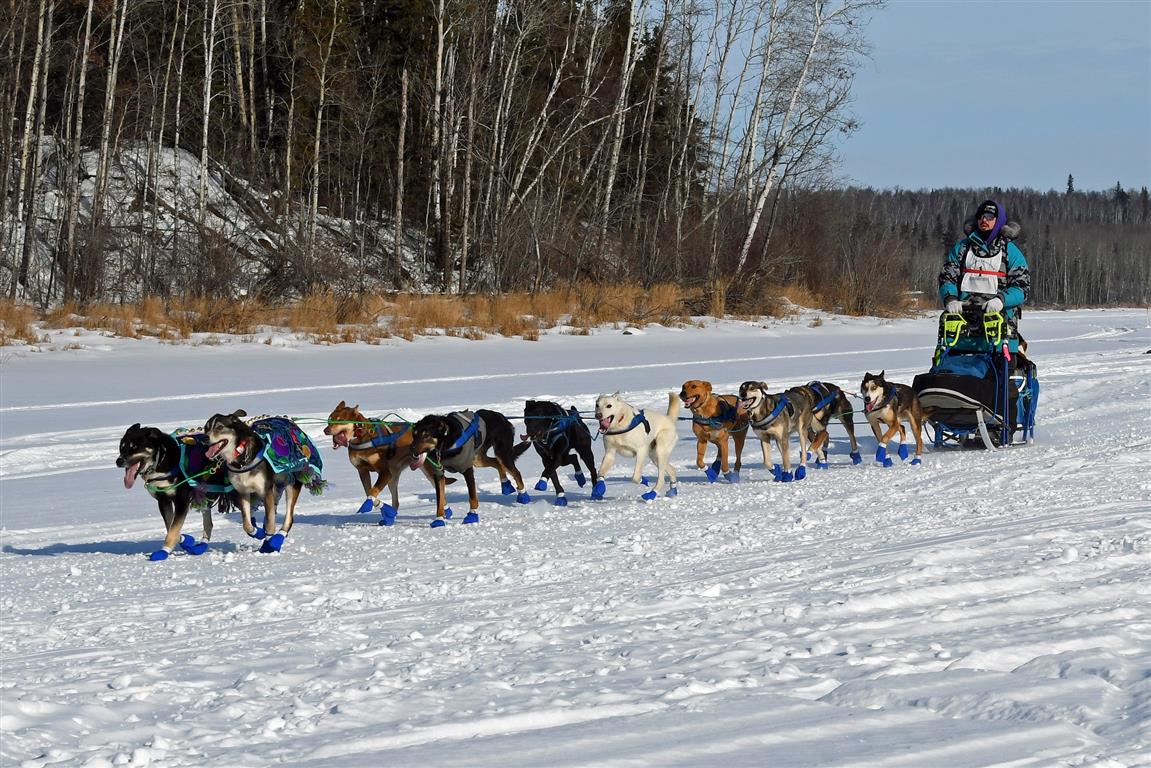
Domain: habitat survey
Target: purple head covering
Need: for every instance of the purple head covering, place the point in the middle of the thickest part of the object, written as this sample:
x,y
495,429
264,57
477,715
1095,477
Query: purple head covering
x,y
990,206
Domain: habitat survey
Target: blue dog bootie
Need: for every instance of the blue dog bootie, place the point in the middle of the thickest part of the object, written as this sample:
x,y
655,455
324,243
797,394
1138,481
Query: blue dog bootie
x,y
388,515
599,490
541,484
581,481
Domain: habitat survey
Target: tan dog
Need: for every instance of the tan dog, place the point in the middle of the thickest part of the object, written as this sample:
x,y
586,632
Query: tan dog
x,y
891,404
715,419
376,446
774,417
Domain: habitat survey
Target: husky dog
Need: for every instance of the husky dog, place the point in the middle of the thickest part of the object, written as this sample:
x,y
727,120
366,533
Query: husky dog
x,y
261,457
178,475
558,435
715,418
891,404
773,417
636,433
458,442
383,447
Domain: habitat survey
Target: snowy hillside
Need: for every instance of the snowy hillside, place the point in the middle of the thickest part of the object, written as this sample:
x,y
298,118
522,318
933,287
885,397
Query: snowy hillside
x,y
987,608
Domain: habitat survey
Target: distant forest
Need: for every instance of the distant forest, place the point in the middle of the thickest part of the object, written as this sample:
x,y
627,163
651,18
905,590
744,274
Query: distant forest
x,y
479,146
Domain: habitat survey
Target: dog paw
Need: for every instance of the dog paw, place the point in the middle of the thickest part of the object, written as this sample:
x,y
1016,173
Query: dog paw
x,y
903,452
672,492
273,543
712,474
158,555
786,477
888,463
649,496
800,472
732,476
777,472
259,533
195,548
506,488
881,454
366,507
186,540
448,513
387,515
541,484
644,481
523,498
856,458
561,501
581,481
916,462
599,490
471,517
438,523
822,465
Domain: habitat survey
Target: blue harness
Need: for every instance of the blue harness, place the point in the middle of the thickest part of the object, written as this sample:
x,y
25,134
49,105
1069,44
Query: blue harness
x,y
559,430
468,434
783,403
380,438
821,390
636,420
727,413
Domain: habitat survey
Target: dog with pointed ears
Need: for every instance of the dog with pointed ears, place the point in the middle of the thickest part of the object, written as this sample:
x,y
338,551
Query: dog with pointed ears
x,y
458,442
715,419
248,451
178,475
634,432
889,405
558,436
374,445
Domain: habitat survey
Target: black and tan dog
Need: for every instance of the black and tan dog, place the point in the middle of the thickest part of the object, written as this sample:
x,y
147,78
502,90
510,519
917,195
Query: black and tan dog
x,y
178,475
715,419
268,454
828,402
890,404
558,436
458,442
374,445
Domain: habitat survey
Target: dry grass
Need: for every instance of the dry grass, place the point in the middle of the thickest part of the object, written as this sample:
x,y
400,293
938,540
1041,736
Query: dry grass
x,y
328,318
16,323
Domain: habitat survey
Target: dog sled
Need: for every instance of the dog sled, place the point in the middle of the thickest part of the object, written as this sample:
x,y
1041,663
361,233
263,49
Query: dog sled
x,y
990,394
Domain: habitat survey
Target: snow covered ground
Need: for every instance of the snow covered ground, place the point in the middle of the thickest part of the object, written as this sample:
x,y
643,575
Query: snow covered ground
x,y
987,608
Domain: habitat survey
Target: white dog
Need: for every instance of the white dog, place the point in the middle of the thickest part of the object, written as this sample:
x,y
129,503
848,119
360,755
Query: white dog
x,y
636,433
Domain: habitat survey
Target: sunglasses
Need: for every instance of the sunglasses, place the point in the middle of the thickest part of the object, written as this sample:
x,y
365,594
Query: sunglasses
x,y
988,217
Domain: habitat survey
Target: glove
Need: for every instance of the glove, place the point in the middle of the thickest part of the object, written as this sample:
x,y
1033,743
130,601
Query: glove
x,y
994,304
954,307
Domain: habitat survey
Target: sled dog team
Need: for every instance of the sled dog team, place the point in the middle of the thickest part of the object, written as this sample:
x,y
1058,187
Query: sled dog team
x,y
240,462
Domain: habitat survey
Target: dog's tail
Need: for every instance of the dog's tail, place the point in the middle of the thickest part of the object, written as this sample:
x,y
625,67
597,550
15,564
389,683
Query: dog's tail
x,y
672,406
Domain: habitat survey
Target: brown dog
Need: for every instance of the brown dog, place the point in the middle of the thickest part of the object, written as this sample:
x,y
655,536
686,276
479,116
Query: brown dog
x,y
889,404
714,419
383,447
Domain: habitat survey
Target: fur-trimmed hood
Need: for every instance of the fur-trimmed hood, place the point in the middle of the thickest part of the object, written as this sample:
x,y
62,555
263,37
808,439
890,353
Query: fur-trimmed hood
x,y
1011,230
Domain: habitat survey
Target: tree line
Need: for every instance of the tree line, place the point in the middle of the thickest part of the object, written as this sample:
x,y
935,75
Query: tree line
x,y
201,147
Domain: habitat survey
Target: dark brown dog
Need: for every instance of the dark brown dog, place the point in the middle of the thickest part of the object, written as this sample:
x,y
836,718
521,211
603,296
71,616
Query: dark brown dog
x,y
383,447
715,419
458,442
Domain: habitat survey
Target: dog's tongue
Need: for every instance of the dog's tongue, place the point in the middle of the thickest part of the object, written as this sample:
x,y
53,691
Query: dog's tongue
x,y
605,424
867,404
130,474
339,439
418,461
213,449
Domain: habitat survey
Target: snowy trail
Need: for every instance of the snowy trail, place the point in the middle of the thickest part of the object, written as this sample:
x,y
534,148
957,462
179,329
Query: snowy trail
x,y
988,608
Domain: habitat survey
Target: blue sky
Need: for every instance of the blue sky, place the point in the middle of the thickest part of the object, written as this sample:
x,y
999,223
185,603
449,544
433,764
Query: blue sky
x,y
968,93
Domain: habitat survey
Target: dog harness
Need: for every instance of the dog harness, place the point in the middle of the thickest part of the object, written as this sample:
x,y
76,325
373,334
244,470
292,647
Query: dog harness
x,y
766,420
381,436
728,413
828,396
192,464
892,396
287,449
636,420
461,454
560,430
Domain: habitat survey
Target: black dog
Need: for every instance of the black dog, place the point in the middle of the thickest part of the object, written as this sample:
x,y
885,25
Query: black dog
x,y
558,436
178,474
458,442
